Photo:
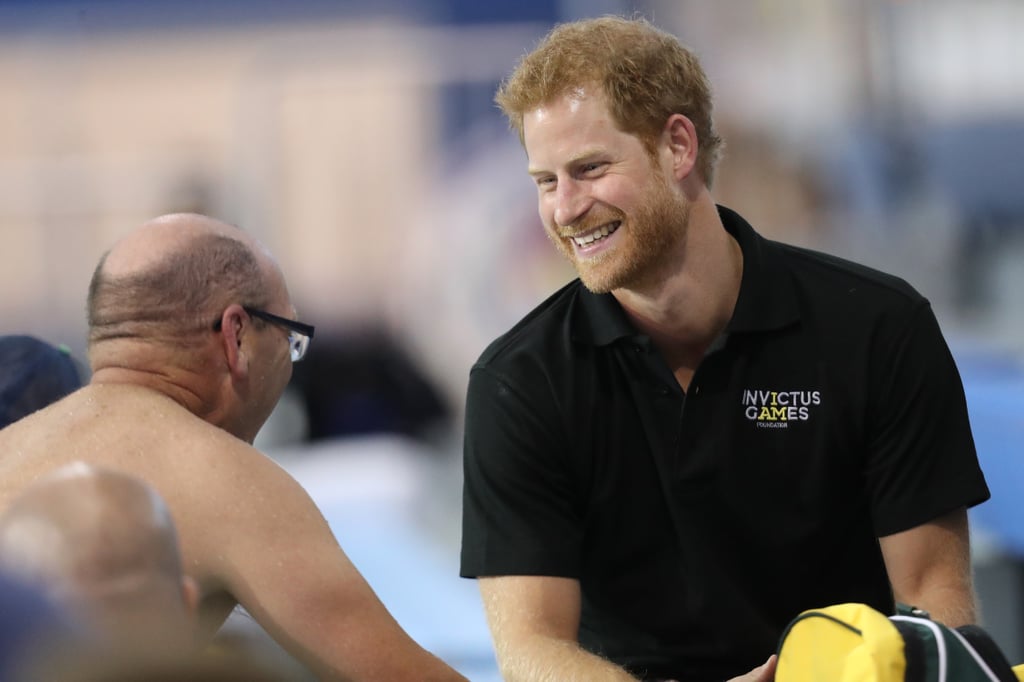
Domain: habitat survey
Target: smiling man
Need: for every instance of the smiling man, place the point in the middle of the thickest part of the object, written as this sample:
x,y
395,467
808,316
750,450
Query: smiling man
x,y
707,432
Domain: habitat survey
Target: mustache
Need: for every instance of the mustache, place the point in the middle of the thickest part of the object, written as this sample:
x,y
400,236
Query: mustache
x,y
591,220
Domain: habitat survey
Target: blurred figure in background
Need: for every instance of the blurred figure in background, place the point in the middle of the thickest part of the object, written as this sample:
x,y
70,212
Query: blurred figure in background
x,y
102,544
33,374
707,432
365,383
192,336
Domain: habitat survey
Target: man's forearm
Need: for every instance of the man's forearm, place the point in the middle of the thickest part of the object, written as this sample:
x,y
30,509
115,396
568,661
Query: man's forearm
x,y
929,567
952,606
542,659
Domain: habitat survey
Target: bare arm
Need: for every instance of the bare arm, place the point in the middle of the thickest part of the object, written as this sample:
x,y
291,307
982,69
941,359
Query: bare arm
x,y
281,561
534,621
930,567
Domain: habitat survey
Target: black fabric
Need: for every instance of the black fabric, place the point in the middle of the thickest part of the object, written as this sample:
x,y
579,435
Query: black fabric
x,y
365,382
989,651
700,524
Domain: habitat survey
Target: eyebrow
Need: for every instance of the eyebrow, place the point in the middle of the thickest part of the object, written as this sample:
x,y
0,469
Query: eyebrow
x,y
582,157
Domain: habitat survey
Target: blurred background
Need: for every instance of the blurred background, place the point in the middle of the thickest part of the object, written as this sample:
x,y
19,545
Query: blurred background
x,y
359,141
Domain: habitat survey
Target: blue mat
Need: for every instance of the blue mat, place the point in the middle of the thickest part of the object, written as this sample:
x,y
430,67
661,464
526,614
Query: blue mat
x,y
994,385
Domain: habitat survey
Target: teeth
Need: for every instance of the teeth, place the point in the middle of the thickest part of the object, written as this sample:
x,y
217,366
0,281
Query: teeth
x,y
596,235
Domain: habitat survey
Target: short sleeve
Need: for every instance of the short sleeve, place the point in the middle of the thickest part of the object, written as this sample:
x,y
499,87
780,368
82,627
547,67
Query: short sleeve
x,y
520,515
921,460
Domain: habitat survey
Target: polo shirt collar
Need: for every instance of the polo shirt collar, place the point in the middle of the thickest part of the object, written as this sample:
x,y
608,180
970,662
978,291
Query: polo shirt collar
x,y
600,319
766,300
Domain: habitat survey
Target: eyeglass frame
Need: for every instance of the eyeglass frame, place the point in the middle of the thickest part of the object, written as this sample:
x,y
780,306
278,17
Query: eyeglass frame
x,y
299,333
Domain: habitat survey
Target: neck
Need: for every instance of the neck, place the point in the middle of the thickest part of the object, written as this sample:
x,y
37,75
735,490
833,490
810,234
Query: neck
x,y
198,382
692,302
161,383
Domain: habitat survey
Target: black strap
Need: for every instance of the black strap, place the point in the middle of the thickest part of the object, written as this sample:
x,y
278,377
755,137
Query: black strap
x,y
989,651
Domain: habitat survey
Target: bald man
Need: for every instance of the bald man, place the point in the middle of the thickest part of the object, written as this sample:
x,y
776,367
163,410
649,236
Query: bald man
x,y
191,338
101,544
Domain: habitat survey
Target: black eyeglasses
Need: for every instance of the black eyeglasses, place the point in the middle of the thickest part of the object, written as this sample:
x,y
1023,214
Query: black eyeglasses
x,y
299,333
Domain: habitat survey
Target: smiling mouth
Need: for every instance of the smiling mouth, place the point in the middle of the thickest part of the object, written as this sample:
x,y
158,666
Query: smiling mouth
x,y
597,235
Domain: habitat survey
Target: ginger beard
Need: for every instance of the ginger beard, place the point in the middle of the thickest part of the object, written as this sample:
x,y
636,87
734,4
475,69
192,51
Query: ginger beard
x,y
648,239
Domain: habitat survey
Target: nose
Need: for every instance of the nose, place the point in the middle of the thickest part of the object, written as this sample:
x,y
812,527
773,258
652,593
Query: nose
x,y
571,202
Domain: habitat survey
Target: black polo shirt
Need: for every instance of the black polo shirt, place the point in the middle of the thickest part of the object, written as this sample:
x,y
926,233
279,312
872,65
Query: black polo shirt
x,y
828,414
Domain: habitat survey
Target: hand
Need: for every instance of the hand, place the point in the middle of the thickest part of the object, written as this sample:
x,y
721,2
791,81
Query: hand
x,y
762,673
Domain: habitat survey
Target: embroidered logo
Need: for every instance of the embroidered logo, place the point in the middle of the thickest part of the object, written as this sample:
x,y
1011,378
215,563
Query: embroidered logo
x,y
777,409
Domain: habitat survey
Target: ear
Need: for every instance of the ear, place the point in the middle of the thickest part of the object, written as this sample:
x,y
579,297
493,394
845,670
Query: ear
x,y
681,138
235,324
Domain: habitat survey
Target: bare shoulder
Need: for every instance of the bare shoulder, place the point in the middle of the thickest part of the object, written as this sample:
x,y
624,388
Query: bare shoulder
x,y
217,476
216,485
218,459
241,516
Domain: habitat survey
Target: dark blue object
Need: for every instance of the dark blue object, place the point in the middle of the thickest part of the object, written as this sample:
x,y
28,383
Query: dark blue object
x,y
33,374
